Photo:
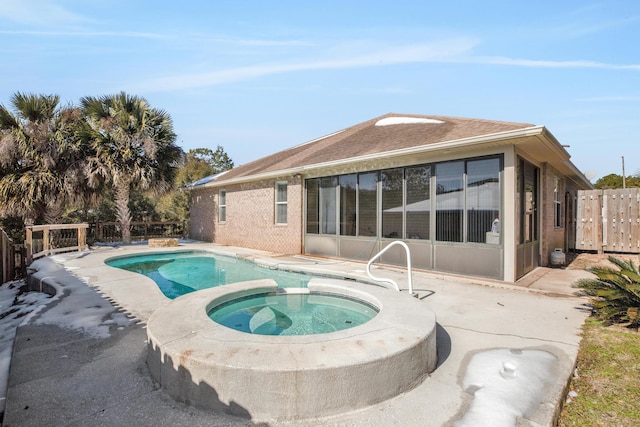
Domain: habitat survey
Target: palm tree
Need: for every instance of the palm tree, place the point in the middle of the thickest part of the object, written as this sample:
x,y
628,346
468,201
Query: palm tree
x,y
40,157
615,293
134,146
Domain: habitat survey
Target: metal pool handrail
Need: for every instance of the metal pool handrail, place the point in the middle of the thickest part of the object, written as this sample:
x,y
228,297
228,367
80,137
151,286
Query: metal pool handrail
x,y
391,281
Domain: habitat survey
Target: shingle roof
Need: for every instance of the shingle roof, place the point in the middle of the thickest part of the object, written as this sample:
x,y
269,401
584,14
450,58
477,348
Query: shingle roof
x,y
367,138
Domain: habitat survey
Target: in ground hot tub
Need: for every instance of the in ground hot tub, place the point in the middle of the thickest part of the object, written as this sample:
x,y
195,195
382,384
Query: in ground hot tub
x,y
293,311
276,377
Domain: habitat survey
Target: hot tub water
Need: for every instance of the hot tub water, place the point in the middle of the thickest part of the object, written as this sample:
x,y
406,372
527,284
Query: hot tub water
x,y
292,313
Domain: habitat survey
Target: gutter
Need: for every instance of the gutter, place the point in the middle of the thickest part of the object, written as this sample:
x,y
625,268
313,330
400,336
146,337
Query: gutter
x,y
457,143
563,155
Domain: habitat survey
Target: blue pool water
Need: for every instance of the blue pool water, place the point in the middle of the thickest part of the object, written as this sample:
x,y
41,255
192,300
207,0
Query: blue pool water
x,y
179,273
292,314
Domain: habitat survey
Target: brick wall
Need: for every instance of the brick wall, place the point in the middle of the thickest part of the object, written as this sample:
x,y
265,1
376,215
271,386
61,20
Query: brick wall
x,y
250,221
551,236
202,215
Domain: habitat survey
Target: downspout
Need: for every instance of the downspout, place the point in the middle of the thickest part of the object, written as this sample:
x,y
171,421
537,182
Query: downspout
x,y
303,212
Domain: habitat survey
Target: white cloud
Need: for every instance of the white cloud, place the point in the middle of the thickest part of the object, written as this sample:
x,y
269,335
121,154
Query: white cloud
x,y
349,56
37,12
264,43
429,52
121,34
538,63
185,38
623,98
591,20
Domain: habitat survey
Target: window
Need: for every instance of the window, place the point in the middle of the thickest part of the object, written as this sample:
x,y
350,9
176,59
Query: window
x,y
281,203
328,205
557,204
392,206
222,206
313,206
418,205
367,204
483,200
397,203
348,184
449,201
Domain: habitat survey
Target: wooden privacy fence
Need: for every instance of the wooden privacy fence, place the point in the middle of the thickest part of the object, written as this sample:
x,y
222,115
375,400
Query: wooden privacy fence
x,y
608,220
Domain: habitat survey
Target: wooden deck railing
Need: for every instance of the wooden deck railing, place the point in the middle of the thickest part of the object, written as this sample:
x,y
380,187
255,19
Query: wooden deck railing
x,y
111,232
44,240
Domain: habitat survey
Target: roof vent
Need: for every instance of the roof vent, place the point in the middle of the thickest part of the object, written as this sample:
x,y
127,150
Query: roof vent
x,y
407,121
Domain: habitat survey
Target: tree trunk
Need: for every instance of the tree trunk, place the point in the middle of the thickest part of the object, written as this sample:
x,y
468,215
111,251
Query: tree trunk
x,y
53,213
29,216
123,213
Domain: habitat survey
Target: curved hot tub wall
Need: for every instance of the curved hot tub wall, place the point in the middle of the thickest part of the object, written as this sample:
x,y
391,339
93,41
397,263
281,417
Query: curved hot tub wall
x,y
210,366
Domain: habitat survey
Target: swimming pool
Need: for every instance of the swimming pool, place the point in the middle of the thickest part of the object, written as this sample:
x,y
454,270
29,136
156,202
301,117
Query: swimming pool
x,y
179,273
273,377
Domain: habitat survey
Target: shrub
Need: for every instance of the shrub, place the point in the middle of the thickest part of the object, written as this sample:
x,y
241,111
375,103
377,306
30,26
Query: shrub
x,y
615,294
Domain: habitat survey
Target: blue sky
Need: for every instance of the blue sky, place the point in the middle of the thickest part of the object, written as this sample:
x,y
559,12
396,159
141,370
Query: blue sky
x,y
257,77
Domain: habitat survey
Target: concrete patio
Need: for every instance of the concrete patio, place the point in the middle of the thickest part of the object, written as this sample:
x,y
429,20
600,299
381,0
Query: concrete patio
x,y
61,374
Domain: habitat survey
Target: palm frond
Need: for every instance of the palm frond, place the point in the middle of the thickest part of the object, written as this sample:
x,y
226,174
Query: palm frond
x,y
614,293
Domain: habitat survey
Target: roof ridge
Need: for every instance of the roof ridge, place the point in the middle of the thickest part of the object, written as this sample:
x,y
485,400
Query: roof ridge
x,y
367,139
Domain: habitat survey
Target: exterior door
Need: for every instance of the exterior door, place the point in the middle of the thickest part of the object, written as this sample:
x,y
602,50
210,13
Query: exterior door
x,y
529,246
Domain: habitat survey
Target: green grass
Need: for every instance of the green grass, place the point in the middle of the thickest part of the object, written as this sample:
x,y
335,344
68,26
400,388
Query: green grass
x,y
608,382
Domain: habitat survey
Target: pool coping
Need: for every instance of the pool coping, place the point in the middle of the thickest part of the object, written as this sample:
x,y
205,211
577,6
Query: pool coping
x,y
146,297
473,315
208,365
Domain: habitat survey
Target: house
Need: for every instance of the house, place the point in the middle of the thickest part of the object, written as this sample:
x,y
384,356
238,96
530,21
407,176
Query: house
x,y
474,197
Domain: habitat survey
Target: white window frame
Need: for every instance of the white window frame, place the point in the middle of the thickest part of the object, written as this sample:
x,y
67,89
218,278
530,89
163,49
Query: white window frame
x,y
278,203
557,204
222,206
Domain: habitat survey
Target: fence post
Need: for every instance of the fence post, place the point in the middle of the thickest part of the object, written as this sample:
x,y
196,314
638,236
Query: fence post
x,y
11,249
28,243
23,262
45,240
9,259
82,236
5,258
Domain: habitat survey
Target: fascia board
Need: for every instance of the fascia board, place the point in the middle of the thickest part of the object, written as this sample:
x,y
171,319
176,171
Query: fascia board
x,y
552,144
438,146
